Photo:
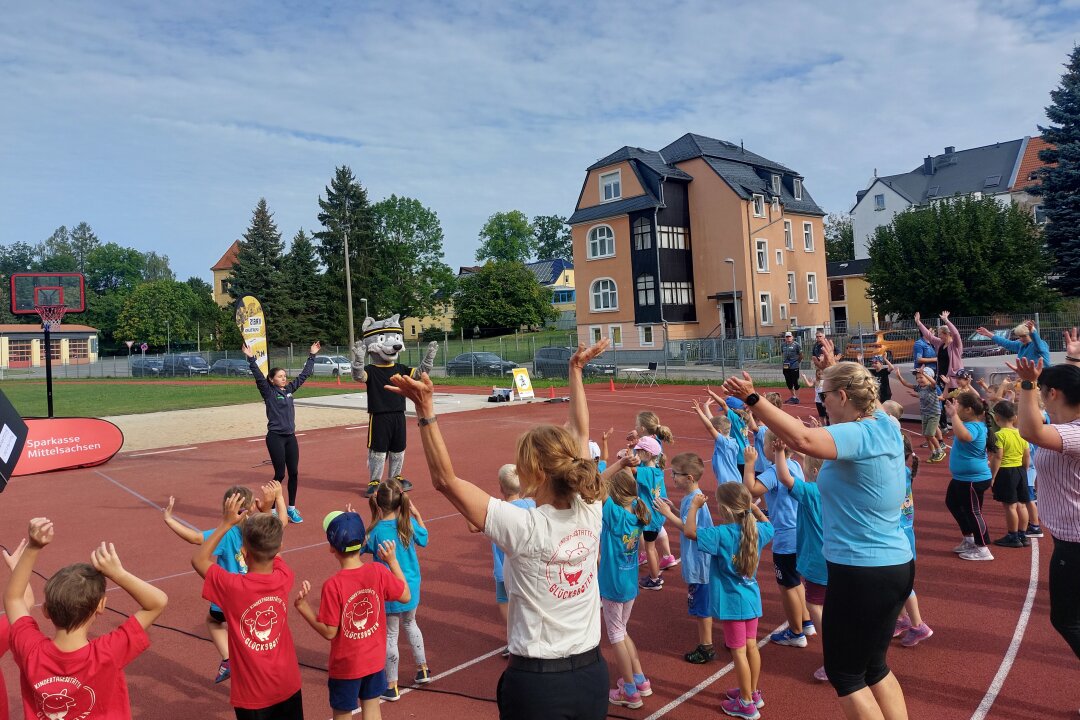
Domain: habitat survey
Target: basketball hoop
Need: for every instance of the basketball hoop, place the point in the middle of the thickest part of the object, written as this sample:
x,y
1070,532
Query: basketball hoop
x,y
50,314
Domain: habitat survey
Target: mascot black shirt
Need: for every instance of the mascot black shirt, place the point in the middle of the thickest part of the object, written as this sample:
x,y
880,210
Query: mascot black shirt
x,y
379,399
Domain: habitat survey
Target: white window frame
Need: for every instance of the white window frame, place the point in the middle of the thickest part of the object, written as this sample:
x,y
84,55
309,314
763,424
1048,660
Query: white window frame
x,y
672,238
793,288
797,187
593,291
879,205
604,177
779,258
808,236
759,205
642,330
612,330
783,311
789,236
596,332
794,321
761,255
811,287
775,184
650,292
765,308
642,240
673,291
776,204
589,243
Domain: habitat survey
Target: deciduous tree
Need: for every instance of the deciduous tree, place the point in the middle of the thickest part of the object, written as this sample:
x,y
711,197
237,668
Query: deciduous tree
x,y
552,238
503,294
409,263
839,238
506,236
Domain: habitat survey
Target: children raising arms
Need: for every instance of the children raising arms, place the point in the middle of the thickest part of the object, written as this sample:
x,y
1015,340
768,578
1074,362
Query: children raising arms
x,y
725,457
650,484
70,674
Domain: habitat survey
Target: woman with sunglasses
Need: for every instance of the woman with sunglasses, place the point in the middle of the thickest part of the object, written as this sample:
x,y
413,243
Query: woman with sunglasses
x,y
870,567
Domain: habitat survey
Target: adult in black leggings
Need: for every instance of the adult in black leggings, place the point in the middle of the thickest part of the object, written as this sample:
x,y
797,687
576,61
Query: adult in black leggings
x,y
277,393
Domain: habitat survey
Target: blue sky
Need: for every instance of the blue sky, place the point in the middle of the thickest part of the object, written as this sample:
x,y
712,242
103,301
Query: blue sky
x,y
163,124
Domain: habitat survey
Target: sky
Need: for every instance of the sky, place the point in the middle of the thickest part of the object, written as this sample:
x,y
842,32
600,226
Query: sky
x,y
162,124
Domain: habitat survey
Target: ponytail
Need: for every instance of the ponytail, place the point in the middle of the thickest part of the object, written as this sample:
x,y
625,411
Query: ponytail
x,y
909,452
622,489
390,497
548,454
663,432
735,499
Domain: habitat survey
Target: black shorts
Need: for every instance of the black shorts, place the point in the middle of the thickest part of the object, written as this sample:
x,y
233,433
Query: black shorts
x,y
1010,486
386,432
650,535
791,378
217,615
786,574
291,708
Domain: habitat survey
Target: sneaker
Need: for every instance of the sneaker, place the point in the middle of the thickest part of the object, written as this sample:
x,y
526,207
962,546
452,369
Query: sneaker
x,y
1034,531
642,559
700,655
916,635
1009,540
223,672
423,676
294,516
936,457
736,708
1024,539
644,688
390,694
669,561
792,401
979,553
786,637
808,628
820,675
903,624
965,546
648,583
755,697
505,653
618,696
925,445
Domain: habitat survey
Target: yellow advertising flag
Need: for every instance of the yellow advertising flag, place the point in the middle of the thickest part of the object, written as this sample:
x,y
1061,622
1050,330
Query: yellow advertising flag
x,y
252,324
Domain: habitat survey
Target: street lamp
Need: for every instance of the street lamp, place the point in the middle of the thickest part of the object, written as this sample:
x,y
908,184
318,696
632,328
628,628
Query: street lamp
x,y
734,296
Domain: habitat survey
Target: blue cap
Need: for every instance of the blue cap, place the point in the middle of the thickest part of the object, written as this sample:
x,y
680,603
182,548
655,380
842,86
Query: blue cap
x,y
735,403
344,531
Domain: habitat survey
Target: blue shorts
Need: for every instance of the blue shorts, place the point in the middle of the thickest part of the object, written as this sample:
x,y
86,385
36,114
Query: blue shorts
x,y
346,694
500,593
910,532
697,600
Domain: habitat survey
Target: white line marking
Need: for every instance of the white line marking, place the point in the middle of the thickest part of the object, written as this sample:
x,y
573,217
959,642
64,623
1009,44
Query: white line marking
x,y
256,440
145,499
161,452
1017,638
356,427
707,681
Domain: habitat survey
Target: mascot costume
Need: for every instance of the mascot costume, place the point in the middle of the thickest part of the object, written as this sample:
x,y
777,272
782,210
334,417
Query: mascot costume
x,y
374,361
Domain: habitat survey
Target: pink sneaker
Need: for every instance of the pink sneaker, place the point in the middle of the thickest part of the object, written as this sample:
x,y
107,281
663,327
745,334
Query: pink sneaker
x,y
642,559
736,708
618,696
903,624
916,635
736,694
820,675
644,688
669,561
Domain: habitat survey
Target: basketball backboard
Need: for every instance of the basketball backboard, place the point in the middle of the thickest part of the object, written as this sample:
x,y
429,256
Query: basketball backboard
x,y
30,291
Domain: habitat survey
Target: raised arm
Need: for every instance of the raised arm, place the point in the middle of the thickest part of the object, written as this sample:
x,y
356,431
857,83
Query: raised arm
x,y
152,600
309,367
41,534
302,606
705,420
816,442
955,340
959,428
749,480
783,474
12,559
604,443
900,377
231,516
1029,416
256,371
578,423
626,461
690,526
189,534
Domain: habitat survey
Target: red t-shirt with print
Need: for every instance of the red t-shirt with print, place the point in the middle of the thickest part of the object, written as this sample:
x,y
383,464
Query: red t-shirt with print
x,y
352,601
3,650
88,682
262,656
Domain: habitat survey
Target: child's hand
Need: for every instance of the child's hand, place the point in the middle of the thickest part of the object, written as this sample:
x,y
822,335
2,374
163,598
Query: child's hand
x,y
301,597
632,437
813,421
663,506
349,508
12,559
749,455
167,510
698,501
41,532
387,551
950,408
270,492
631,460
605,435
234,509
106,561
778,446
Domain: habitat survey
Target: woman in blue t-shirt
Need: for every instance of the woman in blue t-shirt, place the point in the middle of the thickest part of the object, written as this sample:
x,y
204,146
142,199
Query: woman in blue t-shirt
x,y
971,474
869,563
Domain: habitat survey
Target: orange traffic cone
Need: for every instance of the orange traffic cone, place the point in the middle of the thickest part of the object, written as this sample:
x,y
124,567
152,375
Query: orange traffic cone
x,y
611,384
338,377
551,391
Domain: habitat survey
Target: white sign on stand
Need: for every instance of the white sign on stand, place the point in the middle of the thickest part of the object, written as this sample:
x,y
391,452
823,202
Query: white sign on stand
x,y
522,384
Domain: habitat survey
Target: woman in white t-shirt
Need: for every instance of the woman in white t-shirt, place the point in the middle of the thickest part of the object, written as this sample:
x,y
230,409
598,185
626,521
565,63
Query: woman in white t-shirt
x,y
555,667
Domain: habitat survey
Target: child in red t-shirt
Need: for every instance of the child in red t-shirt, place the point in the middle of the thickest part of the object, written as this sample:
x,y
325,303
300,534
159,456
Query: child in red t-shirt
x,y
265,672
11,559
351,616
71,675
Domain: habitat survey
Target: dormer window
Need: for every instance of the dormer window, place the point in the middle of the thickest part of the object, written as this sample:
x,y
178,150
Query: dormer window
x,y
798,189
759,206
775,184
611,186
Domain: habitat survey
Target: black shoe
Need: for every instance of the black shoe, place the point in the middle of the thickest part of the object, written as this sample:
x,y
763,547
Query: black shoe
x,y
1010,541
700,655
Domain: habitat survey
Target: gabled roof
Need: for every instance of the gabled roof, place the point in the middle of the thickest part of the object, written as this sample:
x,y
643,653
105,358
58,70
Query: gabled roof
x,y
611,209
229,258
847,268
1029,163
692,146
34,328
746,181
548,272
650,158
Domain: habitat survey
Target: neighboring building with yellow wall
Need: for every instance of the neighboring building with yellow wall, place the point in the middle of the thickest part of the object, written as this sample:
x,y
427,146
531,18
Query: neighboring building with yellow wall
x,y
850,307
23,345
442,319
222,270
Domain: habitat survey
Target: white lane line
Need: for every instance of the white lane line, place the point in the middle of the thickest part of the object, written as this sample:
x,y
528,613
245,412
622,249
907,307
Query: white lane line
x,y
707,681
142,497
1017,638
356,427
162,452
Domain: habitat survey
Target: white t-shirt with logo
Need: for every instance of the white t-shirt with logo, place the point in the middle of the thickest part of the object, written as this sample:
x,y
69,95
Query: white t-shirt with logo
x,y
551,576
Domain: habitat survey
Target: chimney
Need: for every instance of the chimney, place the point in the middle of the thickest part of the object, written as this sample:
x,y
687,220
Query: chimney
x,y
949,150
928,166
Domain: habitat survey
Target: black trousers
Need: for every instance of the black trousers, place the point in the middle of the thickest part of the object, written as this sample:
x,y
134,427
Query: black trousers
x,y
285,455
965,501
858,619
290,709
580,694
791,377
1065,592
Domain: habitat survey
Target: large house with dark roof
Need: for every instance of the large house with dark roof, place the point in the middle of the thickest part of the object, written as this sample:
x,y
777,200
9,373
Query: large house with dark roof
x,y
700,239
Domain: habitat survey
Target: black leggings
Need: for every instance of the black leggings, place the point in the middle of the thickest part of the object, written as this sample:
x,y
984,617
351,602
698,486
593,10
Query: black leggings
x,y
284,454
965,501
1065,592
858,620
791,377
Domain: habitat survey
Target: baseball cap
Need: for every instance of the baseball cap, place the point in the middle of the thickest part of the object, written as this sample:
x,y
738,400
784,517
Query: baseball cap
x,y
787,335
649,445
877,359
735,403
928,372
344,531
962,373
594,450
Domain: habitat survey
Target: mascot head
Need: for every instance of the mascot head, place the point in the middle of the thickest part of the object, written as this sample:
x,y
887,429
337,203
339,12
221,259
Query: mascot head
x,y
383,339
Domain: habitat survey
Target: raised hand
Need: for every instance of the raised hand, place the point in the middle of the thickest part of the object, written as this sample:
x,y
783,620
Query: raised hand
x,y
814,422
419,391
234,509
301,596
1072,343
168,509
248,352
387,551
41,532
950,409
984,332
584,355
270,492
740,387
12,559
749,455
944,315
698,500
1030,325
1025,369
918,316
106,561
605,435
315,348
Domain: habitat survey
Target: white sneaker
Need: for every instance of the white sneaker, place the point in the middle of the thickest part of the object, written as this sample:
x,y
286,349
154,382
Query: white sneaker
x,y
965,546
979,553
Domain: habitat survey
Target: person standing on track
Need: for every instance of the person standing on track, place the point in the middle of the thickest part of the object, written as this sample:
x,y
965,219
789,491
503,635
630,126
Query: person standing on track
x,y
277,393
950,355
791,359
870,568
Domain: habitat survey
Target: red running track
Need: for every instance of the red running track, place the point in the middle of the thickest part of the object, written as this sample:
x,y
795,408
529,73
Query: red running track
x,y
974,608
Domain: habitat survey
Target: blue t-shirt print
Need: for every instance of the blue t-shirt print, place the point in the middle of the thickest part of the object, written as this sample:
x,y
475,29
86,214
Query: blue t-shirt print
x,y
732,596
406,556
695,563
619,553
725,459
650,485
967,461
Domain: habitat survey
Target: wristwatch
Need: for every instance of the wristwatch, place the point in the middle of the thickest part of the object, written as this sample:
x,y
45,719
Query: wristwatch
x,y
1027,385
426,421
752,399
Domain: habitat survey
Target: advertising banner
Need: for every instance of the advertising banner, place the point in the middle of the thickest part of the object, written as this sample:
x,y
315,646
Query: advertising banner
x,y
66,443
12,437
252,324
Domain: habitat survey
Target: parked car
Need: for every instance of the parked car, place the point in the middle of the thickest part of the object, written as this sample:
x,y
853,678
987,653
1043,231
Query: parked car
x,y
893,345
479,363
184,364
555,362
975,345
145,366
231,366
332,365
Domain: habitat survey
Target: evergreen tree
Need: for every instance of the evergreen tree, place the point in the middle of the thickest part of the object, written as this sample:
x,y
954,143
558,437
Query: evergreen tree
x,y
552,238
1060,186
303,284
257,272
83,242
56,254
345,211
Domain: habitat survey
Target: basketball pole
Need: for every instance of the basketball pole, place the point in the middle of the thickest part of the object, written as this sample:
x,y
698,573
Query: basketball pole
x,y
48,365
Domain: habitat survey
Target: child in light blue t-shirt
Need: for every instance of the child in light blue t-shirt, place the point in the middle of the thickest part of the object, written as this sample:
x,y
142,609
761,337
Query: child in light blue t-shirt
x,y
971,472
725,457
650,485
910,627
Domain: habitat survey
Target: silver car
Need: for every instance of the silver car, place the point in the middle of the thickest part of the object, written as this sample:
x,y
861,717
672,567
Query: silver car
x,y
332,365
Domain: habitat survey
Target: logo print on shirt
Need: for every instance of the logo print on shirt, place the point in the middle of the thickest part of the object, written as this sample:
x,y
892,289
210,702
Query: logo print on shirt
x,y
74,702
360,616
570,571
261,624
